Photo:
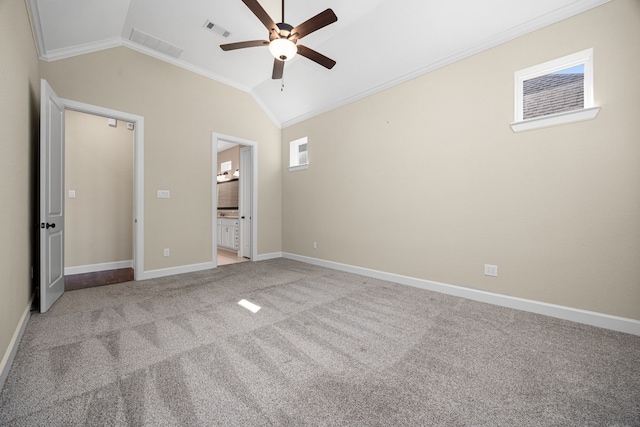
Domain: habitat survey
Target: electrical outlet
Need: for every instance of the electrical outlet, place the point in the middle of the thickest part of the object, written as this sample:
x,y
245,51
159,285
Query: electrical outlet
x,y
491,270
315,245
166,252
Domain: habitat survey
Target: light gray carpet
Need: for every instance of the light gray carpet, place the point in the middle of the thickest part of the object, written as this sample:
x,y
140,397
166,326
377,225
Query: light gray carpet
x,y
327,348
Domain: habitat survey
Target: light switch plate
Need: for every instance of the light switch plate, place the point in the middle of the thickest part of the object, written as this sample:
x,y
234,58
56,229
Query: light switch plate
x,y
72,194
164,194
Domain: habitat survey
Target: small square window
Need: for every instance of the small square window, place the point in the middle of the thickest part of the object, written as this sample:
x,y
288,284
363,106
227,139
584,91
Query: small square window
x,y
298,154
556,92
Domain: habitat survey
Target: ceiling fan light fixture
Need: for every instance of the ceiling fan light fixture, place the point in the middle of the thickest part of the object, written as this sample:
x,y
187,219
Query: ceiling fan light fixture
x,y
283,49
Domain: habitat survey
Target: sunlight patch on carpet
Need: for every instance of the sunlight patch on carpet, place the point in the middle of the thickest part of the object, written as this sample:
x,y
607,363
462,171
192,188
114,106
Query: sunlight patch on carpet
x,y
249,305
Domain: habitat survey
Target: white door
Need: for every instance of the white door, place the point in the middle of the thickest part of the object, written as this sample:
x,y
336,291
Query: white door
x,y
51,197
245,207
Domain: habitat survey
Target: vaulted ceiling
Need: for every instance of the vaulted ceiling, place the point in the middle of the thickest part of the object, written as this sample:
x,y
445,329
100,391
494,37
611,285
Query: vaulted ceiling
x,y
376,43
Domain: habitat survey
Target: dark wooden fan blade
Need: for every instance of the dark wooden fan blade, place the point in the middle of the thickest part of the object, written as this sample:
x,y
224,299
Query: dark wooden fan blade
x,y
278,68
262,15
316,57
320,20
242,45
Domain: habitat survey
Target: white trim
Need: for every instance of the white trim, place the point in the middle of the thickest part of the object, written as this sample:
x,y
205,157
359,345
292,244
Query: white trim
x,y
620,324
245,191
10,354
294,154
564,12
138,172
266,257
36,27
299,167
254,189
556,119
558,15
171,271
92,268
266,109
69,52
185,65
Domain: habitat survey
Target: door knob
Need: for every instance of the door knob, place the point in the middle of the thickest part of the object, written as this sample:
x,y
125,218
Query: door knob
x,y
53,225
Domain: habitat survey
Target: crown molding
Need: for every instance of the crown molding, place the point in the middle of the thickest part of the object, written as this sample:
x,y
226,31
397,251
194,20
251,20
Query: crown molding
x,y
491,42
184,65
36,26
81,49
550,18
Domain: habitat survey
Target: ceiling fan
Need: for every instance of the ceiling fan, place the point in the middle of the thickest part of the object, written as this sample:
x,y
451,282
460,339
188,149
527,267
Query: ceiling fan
x,y
283,38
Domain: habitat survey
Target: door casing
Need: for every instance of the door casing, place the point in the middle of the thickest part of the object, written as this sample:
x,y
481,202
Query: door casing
x,y
246,190
138,173
254,186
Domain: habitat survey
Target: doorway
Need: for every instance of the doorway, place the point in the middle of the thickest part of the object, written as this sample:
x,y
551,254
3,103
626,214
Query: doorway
x,y
51,190
114,270
98,200
234,168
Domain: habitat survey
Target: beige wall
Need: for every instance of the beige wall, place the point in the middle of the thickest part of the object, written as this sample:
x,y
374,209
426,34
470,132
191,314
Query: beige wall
x,y
427,179
233,155
99,168
181,111
19,106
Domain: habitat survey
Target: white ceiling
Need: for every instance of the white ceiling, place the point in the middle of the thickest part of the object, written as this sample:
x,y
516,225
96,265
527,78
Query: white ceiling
x,y
376,43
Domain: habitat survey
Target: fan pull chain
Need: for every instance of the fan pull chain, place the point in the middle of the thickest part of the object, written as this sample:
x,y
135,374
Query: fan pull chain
x,y
282,87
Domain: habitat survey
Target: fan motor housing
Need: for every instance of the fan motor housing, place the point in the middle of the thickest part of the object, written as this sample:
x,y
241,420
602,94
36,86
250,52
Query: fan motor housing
x,y
284,31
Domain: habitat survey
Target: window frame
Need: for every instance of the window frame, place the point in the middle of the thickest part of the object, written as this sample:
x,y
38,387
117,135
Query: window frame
x,y
588,112
294,147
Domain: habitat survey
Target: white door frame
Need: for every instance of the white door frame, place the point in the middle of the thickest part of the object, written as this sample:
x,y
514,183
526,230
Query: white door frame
x,y
138,173
254,190
244,201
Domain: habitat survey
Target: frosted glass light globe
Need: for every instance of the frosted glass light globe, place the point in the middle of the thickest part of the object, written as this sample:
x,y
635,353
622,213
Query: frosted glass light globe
x,y
283,49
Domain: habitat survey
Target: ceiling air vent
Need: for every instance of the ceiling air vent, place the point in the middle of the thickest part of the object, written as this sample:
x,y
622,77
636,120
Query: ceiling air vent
x,y
216,29
154,43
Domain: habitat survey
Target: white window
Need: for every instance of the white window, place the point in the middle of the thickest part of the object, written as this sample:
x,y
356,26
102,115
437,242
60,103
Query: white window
x,y
225,166
556,92
298,155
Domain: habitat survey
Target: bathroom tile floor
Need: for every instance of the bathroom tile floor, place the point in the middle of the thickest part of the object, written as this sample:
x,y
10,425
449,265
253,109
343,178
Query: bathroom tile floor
x,y
229,257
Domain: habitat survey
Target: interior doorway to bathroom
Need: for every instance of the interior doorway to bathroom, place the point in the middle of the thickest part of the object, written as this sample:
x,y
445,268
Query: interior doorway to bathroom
x,y
235,199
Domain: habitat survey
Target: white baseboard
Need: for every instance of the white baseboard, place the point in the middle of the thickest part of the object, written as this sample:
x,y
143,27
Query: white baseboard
x,y
92,268
265,257
620,324
163,272
7,360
